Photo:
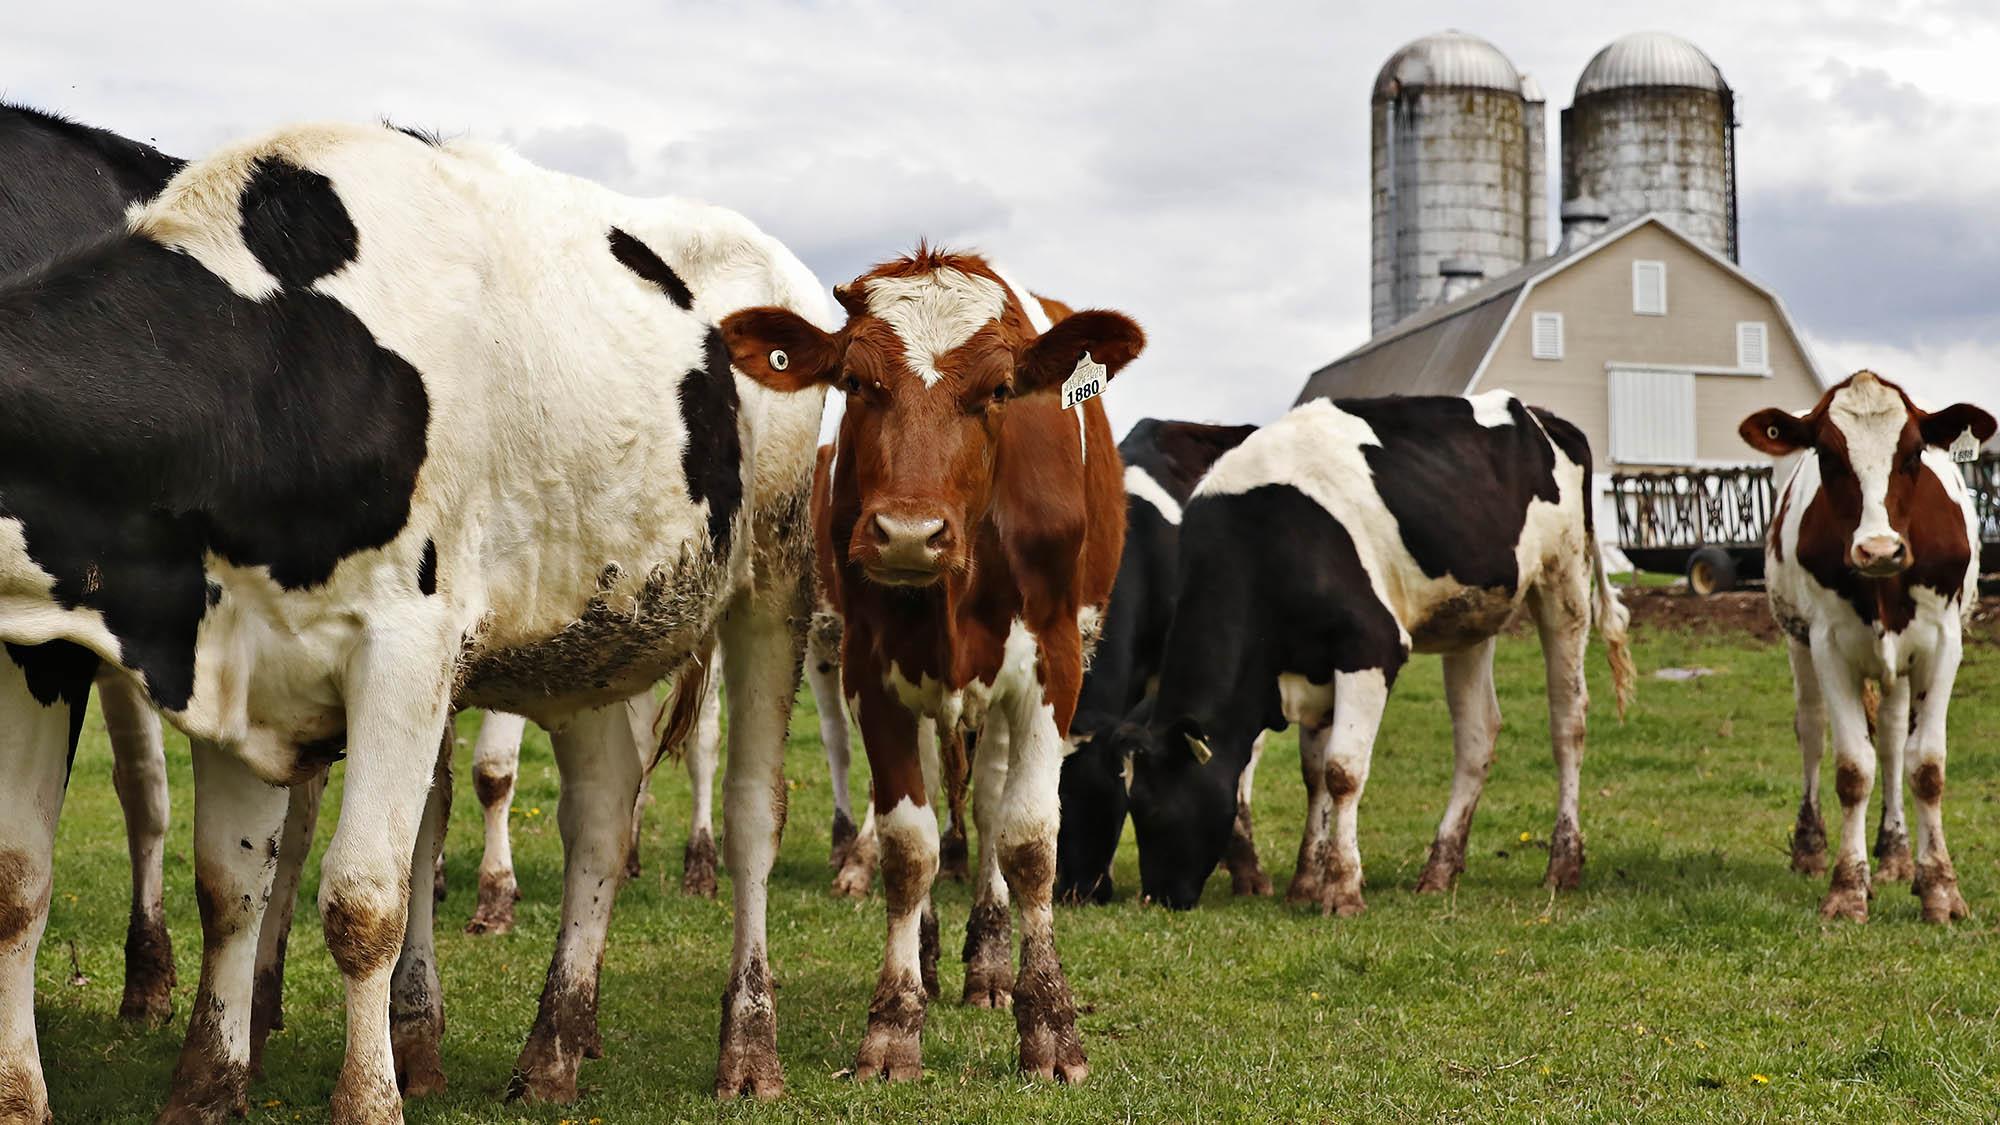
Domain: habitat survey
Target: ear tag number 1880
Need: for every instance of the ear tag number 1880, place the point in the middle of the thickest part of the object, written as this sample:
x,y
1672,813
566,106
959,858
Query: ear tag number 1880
x,y
1083,384
1963,451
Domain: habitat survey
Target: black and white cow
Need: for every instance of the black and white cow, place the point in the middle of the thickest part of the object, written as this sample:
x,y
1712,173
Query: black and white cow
x,y
1872,568
1163,460
347,428
1317,556
63,183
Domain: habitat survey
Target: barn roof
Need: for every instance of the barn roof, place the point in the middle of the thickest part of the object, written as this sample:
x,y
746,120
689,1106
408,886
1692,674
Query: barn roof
x,y
1443,350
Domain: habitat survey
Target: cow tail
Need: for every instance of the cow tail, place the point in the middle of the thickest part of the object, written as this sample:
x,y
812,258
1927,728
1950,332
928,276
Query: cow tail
x,y
682,712
1612,619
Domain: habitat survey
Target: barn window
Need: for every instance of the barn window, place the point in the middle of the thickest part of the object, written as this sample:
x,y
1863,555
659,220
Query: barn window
x,y
1548,336
1649,288
1652,417
1750,351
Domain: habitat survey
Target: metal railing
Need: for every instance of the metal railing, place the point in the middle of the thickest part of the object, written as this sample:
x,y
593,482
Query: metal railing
x,y
1982,479
1692,507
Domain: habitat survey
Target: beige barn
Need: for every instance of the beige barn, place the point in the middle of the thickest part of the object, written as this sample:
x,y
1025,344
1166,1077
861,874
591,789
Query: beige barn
x,y
1655,346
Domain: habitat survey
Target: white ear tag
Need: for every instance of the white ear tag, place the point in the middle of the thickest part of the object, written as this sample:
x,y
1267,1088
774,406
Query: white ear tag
x,y
1963,451
1083,384
779,360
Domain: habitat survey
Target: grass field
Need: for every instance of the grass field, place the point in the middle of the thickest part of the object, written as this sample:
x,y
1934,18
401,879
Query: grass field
x,y
1689,979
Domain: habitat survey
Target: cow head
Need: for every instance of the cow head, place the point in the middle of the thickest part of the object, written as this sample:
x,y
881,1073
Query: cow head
x,y
1869,439
935,347
1094,778
1183,804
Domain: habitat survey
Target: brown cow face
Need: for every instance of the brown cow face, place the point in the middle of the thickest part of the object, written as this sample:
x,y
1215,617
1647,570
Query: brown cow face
x,y
935,349
1869,439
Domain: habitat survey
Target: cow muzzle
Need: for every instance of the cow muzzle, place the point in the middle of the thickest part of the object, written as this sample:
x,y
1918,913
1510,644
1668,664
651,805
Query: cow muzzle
x,y
1880,556
905,549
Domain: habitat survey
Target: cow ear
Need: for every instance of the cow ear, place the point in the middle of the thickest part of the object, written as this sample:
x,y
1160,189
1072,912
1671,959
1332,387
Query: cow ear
x,y
1951,423
1108,338
1776,432
779,348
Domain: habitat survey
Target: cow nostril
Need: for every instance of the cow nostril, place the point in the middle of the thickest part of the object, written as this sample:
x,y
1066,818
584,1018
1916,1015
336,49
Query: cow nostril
x,y
940,537
882,534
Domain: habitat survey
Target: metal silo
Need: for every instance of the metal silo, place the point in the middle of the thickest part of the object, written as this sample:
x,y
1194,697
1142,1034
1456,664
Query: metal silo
x,y
1653,128
1458,170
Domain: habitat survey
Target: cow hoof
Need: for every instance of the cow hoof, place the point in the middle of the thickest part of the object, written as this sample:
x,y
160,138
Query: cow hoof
x,y
419,1067
1846,903
149,973
745,1073
1811,863
1938,893
989,993
1565,858
1343,904
1068,1072
953,858
437,882
1304,890
843,840
1438,878
854,879
747,1065
362,1102
495,912
1896,866
893,1048
550,1081
1249,881
698,866
178,1112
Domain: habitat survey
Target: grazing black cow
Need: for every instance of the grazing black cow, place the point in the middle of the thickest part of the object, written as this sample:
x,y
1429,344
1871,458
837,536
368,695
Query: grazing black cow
x,y
61,184
1329,546
1163,461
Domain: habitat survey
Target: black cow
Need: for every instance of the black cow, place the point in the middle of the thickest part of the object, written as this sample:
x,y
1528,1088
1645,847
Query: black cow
x,y
1320,553
1163,461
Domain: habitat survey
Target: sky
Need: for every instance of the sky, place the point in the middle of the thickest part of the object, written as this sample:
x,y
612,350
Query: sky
x,y
1201,166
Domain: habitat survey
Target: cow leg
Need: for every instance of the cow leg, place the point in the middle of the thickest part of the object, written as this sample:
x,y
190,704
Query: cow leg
x,y
1246,875
1475,725
1809,725
1892,734
823,674
1854,774
1309,874
139,773
989,938
35,748
1936,881
864,853
703,752
953,853
364,888
267,1002
496,759
416,1002
1359,698
906,826
1562,617
599,762
238,827
760,658
1030,818
929,754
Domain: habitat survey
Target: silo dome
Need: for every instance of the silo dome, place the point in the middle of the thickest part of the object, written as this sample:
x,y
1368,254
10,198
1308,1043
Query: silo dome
x,y
1650,58
1457,172
1449,58
1653,129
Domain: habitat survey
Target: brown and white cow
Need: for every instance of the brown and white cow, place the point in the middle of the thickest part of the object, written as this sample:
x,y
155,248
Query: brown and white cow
x,y
976,521
1872,566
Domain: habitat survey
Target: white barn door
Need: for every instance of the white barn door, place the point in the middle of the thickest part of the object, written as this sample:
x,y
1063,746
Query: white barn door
x,y
1652,417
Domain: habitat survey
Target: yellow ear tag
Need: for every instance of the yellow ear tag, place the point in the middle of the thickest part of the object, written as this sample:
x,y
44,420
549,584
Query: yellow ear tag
x,y
1199,749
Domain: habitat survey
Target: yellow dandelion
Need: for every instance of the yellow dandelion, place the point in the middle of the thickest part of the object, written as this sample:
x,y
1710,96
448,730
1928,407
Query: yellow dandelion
x,y
1500,952
1760,1080
1640,1028
1546,1070
1527,837
273,1103
1700,1046
1314,995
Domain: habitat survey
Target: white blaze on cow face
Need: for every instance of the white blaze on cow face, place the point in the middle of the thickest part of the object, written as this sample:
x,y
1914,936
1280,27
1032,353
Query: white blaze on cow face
x,y
934,314
1871,417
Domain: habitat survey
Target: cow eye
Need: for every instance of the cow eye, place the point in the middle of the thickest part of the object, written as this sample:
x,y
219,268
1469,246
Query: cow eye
x,y
851,385
1002,393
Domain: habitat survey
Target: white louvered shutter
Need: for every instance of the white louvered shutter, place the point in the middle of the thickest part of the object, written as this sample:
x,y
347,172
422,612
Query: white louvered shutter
x,y
1649,288
1750,348
1548,336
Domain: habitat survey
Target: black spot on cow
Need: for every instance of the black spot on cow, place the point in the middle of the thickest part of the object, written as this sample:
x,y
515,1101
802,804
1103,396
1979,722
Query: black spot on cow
x,y
713,456
58,672
427,569
274,433
295,224
214,594
636,256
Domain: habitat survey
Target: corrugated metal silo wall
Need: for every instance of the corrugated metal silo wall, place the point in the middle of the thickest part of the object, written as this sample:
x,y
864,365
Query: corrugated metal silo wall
x,y
1664,149
1451,178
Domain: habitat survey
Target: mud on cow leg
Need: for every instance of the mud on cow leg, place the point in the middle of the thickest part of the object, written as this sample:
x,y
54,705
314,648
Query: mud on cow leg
x,y
892,1048
1893,862
267,1003
1565,857
1246,873
842,833
1809,840
416,1002
1044,1010
139,774
496,760
698,862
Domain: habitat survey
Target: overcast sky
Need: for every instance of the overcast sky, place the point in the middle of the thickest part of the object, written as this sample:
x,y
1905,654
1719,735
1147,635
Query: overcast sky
x,y
1202,166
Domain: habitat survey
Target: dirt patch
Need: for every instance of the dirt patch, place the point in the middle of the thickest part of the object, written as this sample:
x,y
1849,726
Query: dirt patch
x,y
1749,612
